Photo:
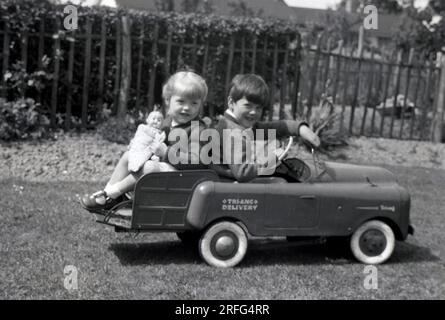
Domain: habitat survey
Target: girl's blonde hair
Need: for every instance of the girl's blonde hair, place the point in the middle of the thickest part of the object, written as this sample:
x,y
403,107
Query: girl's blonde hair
x,y
185,83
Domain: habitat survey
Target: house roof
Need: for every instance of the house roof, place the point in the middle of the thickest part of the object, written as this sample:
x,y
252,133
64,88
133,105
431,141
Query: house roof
x,y
265,8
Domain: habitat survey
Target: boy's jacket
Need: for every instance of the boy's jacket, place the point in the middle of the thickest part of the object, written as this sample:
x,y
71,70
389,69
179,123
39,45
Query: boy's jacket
x,y
243,169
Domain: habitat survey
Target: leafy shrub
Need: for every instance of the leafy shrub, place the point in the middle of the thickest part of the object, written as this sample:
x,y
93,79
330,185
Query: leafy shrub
x,y
20,120
324,121
19,80
119,130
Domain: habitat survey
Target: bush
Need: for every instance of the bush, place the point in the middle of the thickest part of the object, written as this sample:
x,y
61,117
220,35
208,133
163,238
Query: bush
x,y
20,120
324,121
118,130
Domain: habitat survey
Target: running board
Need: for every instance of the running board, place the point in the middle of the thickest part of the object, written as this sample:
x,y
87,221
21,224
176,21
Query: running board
x,y
120,219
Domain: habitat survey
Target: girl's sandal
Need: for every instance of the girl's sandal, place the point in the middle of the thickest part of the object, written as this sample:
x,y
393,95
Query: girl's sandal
x,y
90,202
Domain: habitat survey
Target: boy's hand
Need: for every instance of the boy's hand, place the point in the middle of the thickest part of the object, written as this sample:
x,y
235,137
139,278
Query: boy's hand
x,y
278,152
307,134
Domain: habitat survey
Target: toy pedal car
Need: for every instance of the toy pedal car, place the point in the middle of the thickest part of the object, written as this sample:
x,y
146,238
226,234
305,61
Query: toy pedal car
x,y
302,199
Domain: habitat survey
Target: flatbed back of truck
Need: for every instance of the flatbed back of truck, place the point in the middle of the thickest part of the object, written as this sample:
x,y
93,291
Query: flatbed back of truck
x,y
162,199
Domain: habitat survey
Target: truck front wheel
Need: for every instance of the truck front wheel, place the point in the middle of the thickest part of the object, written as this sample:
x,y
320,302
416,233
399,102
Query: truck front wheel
x,y
373,242
223,245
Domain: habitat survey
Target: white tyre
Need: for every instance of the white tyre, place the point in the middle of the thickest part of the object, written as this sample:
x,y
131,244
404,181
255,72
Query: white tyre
x,y
223,245
373,242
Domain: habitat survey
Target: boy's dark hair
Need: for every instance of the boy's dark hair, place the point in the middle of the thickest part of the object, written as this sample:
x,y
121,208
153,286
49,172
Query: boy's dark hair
x,y
249,86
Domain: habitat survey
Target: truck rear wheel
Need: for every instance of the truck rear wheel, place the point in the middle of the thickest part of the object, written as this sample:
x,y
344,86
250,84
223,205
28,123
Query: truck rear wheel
x,y
223,245
373,242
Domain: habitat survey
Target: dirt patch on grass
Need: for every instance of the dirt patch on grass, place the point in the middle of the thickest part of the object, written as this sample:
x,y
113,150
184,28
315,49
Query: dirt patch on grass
x,y
69,157
393,152
88,157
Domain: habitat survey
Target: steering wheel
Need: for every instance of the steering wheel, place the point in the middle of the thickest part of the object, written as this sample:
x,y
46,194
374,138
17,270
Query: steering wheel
x,y
286,150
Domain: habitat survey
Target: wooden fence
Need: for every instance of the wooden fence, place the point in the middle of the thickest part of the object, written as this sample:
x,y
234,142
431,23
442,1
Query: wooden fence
x,y
365,91
122,65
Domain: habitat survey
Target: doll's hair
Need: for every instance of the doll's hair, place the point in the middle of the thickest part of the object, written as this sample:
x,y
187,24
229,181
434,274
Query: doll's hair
x,y
152,113
185,83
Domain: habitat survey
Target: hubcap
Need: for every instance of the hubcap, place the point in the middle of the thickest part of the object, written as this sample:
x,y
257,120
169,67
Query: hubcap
x,y
372,242
224,245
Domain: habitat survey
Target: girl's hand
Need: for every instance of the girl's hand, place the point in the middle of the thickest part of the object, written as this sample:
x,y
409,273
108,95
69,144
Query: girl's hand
x,y
307,134
161,137
159,149
157,146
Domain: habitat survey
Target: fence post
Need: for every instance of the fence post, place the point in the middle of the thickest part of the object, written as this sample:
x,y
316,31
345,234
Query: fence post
x,y
283,84
118,65
369,93
140,61
69,94
126,68
337,72
416,95
438,120
396,90
168,54
243,53
229,63
254,45
405,98
5,56
313,78
152,70
272,85
206,55
425,96
40,51
24,57
55,83
297,62
103,44
355,99
86,73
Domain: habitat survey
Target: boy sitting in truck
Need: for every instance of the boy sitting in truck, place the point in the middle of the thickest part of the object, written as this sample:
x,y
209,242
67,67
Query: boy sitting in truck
x,y
248,95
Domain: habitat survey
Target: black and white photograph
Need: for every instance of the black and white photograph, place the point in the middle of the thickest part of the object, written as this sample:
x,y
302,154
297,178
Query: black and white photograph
x,y
224,150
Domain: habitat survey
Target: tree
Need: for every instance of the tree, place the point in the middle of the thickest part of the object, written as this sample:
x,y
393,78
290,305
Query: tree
x,y
423,29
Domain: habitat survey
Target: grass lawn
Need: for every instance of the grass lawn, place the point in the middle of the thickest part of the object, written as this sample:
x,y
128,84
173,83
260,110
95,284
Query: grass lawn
x,y
43,229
